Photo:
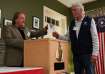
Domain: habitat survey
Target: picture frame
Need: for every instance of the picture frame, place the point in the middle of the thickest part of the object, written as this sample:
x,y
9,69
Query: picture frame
x,y
53,21
48,20
7,22
57,23
0,16
36,22
0,32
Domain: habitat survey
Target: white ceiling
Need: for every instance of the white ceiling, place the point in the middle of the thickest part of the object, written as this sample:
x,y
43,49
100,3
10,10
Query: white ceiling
x,y
68,3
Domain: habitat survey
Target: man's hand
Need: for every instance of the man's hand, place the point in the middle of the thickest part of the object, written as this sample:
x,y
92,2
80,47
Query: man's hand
x,y
55,34
93,59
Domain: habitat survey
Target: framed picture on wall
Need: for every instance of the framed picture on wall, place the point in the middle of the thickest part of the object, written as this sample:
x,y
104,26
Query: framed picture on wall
x,y
49,20
53,21
0,32
36,22
7,22
57,23
0,16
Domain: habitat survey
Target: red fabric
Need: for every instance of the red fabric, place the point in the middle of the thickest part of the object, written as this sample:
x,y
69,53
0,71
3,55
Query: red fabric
x,y
38,71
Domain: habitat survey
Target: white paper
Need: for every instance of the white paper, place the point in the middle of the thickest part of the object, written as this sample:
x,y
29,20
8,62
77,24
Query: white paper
x,y
50,30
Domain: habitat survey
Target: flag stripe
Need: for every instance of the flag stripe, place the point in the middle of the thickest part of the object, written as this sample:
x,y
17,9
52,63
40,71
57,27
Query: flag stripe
x,y
100,58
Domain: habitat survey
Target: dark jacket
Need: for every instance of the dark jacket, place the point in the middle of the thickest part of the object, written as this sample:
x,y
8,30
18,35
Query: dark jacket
x,y
15,44
83,44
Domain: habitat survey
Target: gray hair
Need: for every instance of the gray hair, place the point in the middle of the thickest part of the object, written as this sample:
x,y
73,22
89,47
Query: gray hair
x,y
78,5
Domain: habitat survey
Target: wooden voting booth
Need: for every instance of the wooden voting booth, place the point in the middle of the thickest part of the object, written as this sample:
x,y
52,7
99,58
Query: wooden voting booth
x,y
48,53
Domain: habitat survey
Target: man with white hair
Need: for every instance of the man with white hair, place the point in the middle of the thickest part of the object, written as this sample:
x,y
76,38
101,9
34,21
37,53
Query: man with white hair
x,y
83,38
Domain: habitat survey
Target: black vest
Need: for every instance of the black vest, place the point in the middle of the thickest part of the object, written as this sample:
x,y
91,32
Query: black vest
x,y
83,44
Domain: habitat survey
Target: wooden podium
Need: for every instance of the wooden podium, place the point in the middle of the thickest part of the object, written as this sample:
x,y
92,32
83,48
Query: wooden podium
x,y
44,53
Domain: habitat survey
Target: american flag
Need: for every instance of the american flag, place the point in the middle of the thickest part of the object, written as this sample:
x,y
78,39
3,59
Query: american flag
x,y
100,62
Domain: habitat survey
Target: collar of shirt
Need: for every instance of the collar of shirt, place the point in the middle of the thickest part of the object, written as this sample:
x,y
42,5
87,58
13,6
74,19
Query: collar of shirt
x,y
78,25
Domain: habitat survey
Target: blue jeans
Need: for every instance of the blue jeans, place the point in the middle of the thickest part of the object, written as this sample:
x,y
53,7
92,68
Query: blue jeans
x,y
83,63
